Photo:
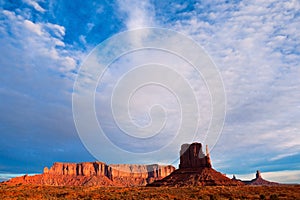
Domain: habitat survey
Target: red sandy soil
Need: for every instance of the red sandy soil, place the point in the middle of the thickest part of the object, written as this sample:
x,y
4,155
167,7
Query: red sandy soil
x,y
200,192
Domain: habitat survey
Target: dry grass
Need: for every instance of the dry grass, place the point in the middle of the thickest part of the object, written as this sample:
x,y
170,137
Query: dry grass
x,y
208,192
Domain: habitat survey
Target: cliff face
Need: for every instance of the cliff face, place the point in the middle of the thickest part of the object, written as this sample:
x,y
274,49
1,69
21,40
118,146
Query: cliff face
x,y
79,169
128,175
110,171
192,156
97,173
140,171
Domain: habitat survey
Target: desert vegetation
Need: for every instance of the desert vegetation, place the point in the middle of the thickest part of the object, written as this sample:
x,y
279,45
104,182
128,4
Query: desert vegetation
x,y
21,191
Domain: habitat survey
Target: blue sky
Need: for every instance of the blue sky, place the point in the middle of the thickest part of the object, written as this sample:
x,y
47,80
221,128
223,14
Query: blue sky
x,y
254,44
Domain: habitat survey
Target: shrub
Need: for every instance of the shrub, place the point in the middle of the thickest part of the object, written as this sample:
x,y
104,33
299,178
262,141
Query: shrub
x,y
262,197
212,197
273,197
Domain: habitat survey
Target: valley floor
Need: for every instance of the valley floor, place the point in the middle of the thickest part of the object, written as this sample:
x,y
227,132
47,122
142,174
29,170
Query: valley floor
x,y
208,192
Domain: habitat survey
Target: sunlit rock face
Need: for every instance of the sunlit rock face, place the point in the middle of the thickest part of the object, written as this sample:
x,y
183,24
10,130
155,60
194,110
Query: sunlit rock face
x,y
97,173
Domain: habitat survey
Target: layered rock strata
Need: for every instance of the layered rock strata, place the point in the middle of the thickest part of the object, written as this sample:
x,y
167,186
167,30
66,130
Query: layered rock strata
x,y
97,173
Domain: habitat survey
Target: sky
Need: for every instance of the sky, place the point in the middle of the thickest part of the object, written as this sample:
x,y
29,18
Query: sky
x,y
254,45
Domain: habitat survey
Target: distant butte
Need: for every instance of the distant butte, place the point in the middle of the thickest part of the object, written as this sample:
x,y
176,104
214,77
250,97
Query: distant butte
x,y
258,180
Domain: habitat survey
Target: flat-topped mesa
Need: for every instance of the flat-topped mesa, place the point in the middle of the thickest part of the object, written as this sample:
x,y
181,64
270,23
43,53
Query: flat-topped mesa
x,y
77,169
114,174
192,156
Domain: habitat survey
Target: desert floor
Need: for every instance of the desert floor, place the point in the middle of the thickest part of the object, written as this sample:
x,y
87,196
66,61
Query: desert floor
x,y
208,192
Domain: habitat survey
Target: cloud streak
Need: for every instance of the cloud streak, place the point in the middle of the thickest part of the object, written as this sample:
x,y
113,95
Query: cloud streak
x,y
138,14
35,5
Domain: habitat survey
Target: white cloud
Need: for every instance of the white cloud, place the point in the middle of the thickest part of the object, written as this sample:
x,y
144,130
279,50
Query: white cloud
x,y
90,26
287,176
139,13
255,46
7,176
35,5
39,40
36,28
59,31
280,156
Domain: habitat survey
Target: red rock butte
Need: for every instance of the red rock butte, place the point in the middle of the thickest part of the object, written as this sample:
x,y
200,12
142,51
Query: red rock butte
x,y
195,169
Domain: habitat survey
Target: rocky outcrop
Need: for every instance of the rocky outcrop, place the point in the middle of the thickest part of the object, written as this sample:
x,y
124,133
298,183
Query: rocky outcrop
x,y
195,169
259,180
97,173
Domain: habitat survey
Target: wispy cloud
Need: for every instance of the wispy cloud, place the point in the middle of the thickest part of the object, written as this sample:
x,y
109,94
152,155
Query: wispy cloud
x,y
138,14
252,46
35,5
255,46
280,156
37,68
39,41
6,176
